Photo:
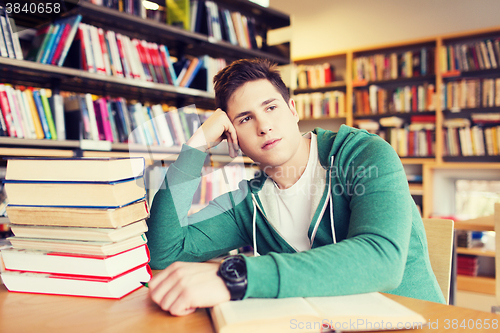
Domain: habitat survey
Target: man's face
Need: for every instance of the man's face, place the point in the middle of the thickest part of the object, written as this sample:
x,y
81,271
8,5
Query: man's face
x,y
265,123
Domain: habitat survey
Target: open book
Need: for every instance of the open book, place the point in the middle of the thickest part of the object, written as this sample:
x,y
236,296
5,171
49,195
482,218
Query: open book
x,y
363,312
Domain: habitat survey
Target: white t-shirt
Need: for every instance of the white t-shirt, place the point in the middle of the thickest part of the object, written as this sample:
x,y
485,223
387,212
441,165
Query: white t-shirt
x,y
295,204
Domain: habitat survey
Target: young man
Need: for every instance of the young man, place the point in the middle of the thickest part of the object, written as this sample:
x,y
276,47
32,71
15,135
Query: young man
x,y
329,214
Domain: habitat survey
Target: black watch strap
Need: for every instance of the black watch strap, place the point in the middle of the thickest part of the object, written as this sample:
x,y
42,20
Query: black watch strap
x,y
234,273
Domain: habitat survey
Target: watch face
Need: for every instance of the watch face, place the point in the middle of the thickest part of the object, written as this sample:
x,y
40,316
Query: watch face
x,y
234,269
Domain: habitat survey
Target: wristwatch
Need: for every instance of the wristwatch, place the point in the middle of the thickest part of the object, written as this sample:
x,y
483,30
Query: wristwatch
x,y
233,270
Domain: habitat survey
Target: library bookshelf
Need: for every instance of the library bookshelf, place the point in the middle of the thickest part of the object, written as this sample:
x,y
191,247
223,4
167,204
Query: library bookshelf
x,y
445,71
181,44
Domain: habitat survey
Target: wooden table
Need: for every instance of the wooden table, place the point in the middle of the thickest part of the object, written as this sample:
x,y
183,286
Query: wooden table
x,y
26,313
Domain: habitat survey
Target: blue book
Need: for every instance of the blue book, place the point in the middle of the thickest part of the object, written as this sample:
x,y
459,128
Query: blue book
x,y
50,43
170,65
57,40
153,125
195,71
41,113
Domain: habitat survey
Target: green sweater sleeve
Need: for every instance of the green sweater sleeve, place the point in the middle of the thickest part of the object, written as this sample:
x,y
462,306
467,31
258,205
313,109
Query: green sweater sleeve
x,y
172,235
373,255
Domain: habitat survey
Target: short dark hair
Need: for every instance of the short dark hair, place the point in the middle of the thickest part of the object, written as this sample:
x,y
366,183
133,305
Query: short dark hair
x,y
229,79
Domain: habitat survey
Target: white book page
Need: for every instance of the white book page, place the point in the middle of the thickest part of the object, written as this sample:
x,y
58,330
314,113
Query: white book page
x,y
364,308
264,309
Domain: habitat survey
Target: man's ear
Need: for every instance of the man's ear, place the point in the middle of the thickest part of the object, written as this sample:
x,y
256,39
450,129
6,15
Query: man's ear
x,y
291,106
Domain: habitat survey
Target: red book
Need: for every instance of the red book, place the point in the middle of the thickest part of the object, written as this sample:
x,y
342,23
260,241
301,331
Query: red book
x,y
60,46
77,285
414,98
430,151
142,58
103,109
423,119
6,112
103,266
163,57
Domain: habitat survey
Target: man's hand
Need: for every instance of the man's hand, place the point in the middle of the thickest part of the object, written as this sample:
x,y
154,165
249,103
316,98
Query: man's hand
x,y
215,129
182,287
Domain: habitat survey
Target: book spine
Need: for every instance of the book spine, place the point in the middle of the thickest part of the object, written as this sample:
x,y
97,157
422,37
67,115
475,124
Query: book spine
x,y
48,114
69,39
41,114
34,114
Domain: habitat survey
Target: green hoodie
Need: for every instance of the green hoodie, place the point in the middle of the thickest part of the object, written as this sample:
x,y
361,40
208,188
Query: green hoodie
x,y
380,238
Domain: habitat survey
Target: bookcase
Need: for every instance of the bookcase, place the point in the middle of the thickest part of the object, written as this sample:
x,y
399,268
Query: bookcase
x,y
439,88
180,42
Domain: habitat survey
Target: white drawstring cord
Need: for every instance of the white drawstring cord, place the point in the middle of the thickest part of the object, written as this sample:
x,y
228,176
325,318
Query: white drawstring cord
x,y
331,201
254,227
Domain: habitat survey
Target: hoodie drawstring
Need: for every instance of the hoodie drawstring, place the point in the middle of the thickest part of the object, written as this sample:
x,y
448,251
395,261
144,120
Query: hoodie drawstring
x,y
254,224
254,227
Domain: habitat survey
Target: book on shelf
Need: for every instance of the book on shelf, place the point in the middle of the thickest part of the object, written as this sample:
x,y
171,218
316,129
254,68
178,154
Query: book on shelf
x,y
10,46
178,13
480,54
74,285
394,65
361,312
314,76
51,262
471,93
79,217
378,100
318,104
80,233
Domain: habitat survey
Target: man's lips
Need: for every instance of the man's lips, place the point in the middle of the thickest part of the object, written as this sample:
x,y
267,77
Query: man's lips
x,y
270,143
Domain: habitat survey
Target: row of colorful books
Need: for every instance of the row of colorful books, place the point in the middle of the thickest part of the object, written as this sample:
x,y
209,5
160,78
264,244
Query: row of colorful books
x,y
317,105
315,76
39,114
115,120
470,56
78,227
132,7
31,113
9,39
212,19
52,41
378,100
472,141
414,140
394,65
217,181
201,16
471,93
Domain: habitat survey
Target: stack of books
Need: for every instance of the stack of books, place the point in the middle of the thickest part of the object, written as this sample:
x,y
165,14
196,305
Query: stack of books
x,y
78,226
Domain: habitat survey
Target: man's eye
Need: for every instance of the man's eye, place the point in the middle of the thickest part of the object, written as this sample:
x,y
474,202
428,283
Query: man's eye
x,y
271,108
244,120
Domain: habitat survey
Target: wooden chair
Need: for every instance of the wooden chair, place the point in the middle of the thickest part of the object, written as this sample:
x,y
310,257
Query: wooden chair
x,y
496,218
440,244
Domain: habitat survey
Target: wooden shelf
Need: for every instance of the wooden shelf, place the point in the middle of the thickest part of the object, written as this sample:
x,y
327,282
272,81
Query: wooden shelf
x,y
30,73
485,223
477,284
416,189
394,82
403,115
475,252
336,85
